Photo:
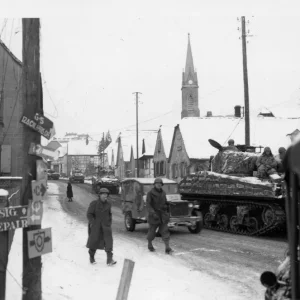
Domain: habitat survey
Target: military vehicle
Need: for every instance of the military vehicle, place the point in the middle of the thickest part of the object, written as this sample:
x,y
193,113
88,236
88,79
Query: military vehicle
x,y
110,182
231,199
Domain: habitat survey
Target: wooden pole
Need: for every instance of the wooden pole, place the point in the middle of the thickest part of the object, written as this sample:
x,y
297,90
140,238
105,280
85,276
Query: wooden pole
x,y
137,133
246,90
125,280
31,100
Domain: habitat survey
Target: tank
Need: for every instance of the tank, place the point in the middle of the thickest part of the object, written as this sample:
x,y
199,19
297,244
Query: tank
x,y
230,196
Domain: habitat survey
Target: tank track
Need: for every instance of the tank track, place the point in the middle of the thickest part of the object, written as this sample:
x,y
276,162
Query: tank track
x,y
278,221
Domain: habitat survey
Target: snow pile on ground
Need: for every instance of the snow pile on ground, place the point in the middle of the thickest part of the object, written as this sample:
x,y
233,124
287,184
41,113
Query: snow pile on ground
x,y
67,273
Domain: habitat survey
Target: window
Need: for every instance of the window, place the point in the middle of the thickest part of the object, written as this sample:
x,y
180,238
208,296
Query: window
x,y
161,171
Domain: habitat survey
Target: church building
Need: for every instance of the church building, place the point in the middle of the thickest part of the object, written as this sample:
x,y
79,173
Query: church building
x,y
190,87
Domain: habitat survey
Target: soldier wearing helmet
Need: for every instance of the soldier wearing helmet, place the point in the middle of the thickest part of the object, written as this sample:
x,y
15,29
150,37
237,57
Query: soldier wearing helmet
x,y
158,215
100,233
231,146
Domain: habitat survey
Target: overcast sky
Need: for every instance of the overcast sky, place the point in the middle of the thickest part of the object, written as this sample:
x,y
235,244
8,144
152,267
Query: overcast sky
x,y
95,54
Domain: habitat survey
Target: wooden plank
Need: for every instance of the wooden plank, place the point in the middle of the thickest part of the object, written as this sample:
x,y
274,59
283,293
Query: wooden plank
x,y
125,280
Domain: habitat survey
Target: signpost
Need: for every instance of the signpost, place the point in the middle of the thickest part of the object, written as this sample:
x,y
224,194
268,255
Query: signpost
x,y
39,150
39,123
13,217
39,189
35,212
39,242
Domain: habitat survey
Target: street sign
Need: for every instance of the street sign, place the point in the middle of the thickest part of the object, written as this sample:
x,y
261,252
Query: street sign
x,y
44,152
41,170
13,217
39,189
39,242
39,123
35,212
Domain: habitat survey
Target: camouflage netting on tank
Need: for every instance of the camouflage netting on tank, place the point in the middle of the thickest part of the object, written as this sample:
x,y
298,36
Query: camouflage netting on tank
x,y
230,162
219,184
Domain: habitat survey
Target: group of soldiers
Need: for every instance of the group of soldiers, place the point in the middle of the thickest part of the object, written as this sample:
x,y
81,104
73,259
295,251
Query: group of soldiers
x,y
267,163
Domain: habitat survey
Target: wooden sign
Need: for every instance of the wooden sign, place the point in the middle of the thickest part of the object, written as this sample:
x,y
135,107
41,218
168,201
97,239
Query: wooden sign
x,y
39,189
41,170
13,217
39,242
44,152
35,212
39,123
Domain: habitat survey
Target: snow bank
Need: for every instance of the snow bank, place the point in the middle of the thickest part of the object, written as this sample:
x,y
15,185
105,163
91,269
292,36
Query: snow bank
x,y
67,273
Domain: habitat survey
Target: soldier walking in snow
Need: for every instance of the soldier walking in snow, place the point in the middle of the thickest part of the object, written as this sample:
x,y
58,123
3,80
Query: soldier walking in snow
x,y
158,218
266,164
100,220
70,192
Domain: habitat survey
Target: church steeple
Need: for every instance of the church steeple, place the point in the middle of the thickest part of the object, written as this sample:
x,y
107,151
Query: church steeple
x,y
189,86
189,65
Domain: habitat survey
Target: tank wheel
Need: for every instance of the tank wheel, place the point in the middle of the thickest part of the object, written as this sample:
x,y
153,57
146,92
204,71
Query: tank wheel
x,y
223,223
252,224
129,222
234,223
268,216
207,220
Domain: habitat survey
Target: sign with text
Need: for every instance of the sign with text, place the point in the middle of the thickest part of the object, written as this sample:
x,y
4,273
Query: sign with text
x,y
39,189
39,242
44,152
41,170
39,123
35,212
13,217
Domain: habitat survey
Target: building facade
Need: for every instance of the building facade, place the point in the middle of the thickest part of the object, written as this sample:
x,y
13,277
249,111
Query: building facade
x,y
11,110
190,106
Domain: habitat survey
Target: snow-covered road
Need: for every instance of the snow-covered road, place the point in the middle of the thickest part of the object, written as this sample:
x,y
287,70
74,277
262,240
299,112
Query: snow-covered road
x,y
211,265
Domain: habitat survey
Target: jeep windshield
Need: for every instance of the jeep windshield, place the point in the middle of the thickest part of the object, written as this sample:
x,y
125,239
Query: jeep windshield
x,y
78,174
168,188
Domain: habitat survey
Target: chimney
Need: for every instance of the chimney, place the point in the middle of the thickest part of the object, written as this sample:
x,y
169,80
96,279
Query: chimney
x,y
209,114
237,111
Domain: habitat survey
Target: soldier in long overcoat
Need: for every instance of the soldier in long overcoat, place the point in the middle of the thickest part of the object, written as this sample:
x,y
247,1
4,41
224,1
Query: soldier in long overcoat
x,y
158,215
266,164
70,192
100,233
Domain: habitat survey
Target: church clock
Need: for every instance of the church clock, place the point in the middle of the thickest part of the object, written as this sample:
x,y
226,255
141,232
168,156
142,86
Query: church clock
x,y
190,81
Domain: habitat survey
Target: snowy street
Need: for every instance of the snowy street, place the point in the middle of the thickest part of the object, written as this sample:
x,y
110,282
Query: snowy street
x,y
211,265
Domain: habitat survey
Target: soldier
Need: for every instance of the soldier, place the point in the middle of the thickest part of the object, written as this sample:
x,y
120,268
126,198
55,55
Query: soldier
x,y
158,210
266,164
231,146
279,159
100,233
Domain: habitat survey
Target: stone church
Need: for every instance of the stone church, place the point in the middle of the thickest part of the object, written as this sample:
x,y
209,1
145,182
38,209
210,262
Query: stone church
x,y
190,87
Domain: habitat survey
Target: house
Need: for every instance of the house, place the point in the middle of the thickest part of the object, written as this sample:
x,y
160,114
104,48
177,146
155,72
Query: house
x,y
190,150
11,110
162,151
146,164
82,156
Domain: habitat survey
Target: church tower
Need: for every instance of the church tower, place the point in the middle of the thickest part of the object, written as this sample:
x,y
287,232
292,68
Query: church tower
x,y
189,87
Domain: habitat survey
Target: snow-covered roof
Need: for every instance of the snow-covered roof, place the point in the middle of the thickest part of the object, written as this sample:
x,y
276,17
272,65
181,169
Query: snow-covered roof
x,y
111,152
149,180
264,131
150,142
79,147
167,136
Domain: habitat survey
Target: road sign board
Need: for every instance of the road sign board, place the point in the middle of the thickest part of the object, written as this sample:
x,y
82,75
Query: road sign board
x,y
35,212
39,189
44,152
13,217
41,170
39,123
39,242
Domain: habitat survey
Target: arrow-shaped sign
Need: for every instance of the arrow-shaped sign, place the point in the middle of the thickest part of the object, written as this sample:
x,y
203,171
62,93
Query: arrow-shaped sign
x,y
35,218
44,152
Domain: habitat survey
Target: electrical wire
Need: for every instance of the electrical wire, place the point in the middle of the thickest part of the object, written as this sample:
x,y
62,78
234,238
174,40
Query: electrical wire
x,y
232,131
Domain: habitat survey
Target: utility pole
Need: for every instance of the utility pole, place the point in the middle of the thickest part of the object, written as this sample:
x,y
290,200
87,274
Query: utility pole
x,y
246,90
31,100
103,154
137,133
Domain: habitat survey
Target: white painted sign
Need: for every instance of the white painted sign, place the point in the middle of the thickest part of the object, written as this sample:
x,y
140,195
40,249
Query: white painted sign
x,y
39,189
39,242
41,170
35,212
13,217
44,152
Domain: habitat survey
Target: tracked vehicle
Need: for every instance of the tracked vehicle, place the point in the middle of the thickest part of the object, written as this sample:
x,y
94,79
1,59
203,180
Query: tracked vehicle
x,y
231,199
